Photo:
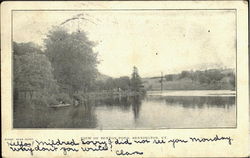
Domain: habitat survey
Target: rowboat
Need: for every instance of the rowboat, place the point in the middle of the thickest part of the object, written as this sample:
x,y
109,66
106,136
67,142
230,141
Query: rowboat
x,y
59,105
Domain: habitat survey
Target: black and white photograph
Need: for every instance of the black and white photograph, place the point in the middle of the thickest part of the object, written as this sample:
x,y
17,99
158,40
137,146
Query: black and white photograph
x,y
124,69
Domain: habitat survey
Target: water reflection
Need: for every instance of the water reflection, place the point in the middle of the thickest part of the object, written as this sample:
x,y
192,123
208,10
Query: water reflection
x,y
136,105
167,112
196,101
29,116
124,103
132,113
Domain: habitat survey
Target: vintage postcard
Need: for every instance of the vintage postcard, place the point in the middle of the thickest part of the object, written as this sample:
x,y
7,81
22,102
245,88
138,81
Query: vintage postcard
x,y
124,79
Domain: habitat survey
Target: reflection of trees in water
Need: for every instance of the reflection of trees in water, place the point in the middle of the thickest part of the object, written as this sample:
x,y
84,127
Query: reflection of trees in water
x,y
124,103
200,101
82,116
34,116
136,106
28,115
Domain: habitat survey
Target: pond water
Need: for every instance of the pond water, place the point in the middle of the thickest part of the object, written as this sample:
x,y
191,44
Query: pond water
x,y
168,109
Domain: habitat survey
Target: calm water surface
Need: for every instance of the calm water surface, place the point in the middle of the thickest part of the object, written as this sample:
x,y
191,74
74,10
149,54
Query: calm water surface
x,y
168,109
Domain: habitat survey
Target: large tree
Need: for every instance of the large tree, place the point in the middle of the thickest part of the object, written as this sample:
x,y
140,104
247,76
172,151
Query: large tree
x,y
26,48
32,70
73,59
136,82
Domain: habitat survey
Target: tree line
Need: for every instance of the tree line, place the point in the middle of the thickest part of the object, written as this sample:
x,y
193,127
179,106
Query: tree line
x,y
124,83
210,79
209,76
65,66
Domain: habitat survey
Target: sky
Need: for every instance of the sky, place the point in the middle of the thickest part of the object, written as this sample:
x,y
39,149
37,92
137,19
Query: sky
x,y
167,41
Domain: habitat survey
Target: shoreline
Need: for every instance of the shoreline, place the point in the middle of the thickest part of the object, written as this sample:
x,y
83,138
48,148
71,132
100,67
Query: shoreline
x,y
205,93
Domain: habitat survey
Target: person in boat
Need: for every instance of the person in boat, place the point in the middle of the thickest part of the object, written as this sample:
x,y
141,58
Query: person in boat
x,y
62,102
